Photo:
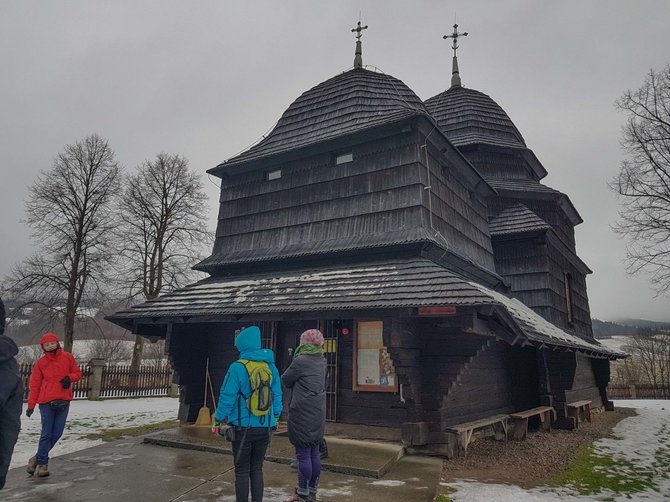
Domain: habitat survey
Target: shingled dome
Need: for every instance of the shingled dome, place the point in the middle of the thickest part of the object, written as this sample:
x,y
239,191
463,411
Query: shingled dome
x,y
468,117
346,104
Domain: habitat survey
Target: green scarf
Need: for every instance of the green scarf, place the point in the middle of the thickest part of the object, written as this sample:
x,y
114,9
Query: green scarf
x,y
308,349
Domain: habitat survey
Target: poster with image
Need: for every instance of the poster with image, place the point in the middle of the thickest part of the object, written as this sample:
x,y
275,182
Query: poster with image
x,y
374,367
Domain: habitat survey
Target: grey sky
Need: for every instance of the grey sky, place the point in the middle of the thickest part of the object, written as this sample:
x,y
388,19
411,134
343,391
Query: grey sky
x,y
207,79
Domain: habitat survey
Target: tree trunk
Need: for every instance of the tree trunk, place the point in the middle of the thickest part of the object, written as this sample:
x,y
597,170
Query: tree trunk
x,y
68,330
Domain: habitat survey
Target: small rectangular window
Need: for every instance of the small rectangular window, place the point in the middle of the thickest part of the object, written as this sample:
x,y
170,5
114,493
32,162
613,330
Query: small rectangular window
x,y
274,175
344,158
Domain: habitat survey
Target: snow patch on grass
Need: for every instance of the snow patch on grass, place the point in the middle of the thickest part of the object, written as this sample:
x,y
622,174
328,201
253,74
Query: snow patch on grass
x,y
89,417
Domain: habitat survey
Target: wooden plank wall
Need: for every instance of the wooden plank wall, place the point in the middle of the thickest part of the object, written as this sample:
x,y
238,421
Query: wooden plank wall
x,y
369,408
485,387
584,385
187,351
189,347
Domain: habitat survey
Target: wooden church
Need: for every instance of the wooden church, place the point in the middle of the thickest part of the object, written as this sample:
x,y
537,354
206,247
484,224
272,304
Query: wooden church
x,y
419,238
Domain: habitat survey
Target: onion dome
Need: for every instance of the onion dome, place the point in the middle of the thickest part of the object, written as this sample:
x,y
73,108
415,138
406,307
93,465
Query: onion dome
x,y
469,117
346,104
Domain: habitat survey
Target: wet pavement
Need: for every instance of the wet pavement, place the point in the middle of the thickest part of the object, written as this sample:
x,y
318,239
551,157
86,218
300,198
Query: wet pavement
x,y
131,470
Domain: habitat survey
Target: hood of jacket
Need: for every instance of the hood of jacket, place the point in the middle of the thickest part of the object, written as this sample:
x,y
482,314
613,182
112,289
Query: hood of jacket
x,y
248,342
8,349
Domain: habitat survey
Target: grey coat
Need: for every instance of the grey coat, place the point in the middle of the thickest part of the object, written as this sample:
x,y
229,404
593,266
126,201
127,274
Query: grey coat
x,y
11,403
305,379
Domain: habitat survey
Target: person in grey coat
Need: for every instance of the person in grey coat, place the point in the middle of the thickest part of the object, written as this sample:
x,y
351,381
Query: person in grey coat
x,y
305,380
11,398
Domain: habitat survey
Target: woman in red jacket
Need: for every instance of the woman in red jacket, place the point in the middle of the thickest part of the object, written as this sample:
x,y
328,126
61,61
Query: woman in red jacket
x,y
51,388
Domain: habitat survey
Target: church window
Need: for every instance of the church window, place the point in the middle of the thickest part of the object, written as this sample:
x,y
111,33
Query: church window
x,y
567,279
373,367
274,175
344,158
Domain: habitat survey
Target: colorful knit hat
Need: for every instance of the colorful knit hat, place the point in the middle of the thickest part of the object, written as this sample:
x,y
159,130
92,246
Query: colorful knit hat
x,y
312,337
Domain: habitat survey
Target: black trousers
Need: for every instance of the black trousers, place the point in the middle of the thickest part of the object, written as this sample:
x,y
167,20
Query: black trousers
x,y
249,450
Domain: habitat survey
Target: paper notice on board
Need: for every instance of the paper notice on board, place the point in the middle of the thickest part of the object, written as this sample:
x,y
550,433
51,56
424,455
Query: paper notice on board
x,y
368,367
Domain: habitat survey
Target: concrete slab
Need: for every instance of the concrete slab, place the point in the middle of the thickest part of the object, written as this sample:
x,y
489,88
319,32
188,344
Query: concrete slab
x,y
347,456
129,470
117,471
412,478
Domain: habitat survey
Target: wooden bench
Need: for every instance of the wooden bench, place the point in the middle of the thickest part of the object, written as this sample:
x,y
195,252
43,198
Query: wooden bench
x,y
580,410
518,422
461,434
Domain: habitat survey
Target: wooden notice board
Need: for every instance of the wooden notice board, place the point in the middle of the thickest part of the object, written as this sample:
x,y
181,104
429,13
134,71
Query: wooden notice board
x,y
373,368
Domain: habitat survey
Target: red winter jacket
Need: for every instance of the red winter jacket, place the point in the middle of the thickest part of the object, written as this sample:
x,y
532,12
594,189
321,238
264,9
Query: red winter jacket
x,y
47,373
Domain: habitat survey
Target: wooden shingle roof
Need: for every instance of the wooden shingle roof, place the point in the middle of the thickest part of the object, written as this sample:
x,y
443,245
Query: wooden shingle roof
x,y
348,103
399,283
529,188
469,117
516,219
520,185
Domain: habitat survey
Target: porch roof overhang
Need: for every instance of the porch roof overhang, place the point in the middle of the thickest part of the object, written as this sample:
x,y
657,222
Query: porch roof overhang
x,y
383,285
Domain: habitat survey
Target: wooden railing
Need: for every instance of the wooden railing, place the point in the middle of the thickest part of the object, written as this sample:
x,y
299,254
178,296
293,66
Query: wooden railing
x,y
638,392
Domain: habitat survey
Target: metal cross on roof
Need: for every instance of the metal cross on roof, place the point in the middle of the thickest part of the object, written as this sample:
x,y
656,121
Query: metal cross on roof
x,y
358,58
455,76
359,29
455,36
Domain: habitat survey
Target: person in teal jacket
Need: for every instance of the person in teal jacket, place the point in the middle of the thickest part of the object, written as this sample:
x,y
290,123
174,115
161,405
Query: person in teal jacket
x,y
252,433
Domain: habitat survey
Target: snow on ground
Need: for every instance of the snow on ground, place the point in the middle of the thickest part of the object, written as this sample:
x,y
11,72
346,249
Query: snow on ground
x,y
619,343
643,441
90,417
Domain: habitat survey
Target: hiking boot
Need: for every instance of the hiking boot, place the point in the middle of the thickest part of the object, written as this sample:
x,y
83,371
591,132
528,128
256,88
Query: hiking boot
x,y
42,471
32,465
298,497
312,496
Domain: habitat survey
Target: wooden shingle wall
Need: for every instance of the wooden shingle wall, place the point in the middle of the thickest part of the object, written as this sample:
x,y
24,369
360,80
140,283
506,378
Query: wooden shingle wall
x,y
552,214
525,265
559,265
459,212
498,163
378,198
536,272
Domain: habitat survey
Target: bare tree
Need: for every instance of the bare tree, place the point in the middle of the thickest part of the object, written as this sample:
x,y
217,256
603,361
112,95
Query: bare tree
x,y
643,183
163,210
69,211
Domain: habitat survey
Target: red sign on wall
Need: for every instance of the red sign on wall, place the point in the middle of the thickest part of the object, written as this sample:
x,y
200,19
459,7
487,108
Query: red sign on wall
x,y
437,310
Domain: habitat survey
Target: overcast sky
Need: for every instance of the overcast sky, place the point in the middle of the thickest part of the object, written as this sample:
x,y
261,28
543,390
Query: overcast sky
x,y
207,79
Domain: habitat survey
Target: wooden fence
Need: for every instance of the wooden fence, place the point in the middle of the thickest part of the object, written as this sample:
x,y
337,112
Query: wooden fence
x,y
115,381
638,392
80,388
120,381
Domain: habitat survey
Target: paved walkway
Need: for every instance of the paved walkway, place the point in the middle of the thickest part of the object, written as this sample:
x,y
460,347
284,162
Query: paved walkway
x,y
131,470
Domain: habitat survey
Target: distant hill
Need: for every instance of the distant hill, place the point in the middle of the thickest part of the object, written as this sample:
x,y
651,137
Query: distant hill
x,y
606,329
644,323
